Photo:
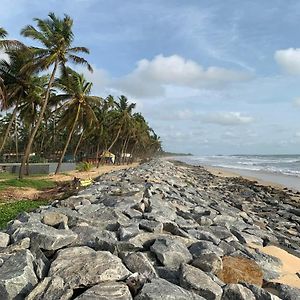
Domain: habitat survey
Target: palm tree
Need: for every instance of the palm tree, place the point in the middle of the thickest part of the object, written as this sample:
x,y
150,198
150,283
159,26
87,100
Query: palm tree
x,y
123,117
79,104
17,83
3,33
56,36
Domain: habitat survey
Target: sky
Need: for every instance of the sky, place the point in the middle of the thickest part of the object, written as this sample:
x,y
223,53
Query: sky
x,y
210,76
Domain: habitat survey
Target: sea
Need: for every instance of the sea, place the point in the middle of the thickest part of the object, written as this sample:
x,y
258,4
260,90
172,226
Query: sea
x,y
280,169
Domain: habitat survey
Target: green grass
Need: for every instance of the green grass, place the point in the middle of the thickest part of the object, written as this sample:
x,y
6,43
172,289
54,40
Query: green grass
x,y
39,184
9,211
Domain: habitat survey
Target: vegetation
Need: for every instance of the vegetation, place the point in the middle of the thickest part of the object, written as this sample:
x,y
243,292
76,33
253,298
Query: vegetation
x,y
84,166
39,184
49,108
8,211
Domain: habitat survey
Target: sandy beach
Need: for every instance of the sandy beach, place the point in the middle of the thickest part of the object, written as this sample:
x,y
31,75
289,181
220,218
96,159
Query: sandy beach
x,y
262,178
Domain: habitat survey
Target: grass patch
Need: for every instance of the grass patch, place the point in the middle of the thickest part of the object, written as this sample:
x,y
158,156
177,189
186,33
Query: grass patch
x,y
39,184
9,211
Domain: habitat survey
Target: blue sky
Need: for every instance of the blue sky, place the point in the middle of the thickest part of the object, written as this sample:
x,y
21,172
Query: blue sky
x,y
211,77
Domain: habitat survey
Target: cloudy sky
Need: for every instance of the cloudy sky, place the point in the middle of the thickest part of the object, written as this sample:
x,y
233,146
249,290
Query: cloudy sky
x,y
211,76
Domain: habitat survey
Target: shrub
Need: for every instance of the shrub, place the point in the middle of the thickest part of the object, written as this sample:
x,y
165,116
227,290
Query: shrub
x,y
84,166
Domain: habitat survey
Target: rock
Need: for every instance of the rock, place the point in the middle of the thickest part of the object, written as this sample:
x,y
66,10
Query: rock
x,y
151,226
204,235
160,289
54,219
4,239
51,288
208,263
138,262
47,237
239,269
204,247
197,281
246,238
127,232
91,236
259,293
284,291
171,275
170,253
237,292
17,277
107,291
82,266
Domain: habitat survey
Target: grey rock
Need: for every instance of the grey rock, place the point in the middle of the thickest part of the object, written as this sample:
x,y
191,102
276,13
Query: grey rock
x,y
208,263
107,291
138,262
4,239
51,288
127,232
260,293
151,226
82,266
247,238
20,245
284,291
171,253
54,219
91,236
17,277
171,275
198,282
160,289
237,292
204,235
47,237
204,247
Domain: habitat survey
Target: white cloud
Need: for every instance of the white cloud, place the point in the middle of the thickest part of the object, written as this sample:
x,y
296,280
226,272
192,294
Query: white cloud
x,y
289,60
227,118
150,77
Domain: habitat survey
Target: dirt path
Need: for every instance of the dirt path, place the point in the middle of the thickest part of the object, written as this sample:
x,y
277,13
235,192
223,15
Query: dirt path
x,y
63,180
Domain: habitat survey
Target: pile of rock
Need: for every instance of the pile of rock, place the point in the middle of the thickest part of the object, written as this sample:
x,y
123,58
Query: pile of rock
x,y
189,242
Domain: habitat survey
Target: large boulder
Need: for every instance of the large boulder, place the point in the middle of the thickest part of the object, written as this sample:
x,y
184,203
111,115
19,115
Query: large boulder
x,y
51,288
197,281
138,262
47,237
208,263
160,289
171,253
83,266
107,291
240,269
17,276
237,292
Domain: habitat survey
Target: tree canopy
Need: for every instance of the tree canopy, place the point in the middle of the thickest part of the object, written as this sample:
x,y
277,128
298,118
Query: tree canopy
x,y
48,108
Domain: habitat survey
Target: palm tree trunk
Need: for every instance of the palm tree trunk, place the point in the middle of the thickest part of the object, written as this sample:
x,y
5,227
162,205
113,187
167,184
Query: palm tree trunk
x,y
77,146
16,140
97,155
38,123
68,141
11,121
116,138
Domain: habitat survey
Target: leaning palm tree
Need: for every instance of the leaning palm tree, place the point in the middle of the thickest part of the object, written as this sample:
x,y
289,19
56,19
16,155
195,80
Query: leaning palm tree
x,y
17,84
78,106
56,36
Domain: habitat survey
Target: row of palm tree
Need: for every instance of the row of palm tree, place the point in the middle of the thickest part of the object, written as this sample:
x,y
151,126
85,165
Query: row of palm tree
x,y
49,108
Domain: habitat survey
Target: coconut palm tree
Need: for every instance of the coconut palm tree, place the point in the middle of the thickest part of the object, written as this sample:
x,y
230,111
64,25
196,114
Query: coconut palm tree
x,y
78,106
17,83
56,37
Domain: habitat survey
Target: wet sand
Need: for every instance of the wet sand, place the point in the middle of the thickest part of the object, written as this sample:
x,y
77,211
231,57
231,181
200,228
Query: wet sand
x,y
263,178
